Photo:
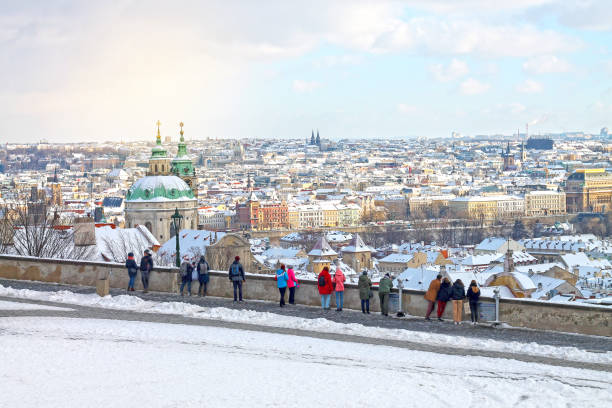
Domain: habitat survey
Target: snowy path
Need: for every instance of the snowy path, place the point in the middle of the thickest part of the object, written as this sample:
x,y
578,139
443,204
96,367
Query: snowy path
x,y
133,309
63,362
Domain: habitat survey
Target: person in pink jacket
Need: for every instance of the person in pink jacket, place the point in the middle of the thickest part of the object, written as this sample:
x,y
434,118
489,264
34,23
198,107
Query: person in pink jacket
x,y
338,280
292,283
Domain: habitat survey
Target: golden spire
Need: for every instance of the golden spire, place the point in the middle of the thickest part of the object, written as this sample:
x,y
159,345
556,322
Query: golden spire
x,y
158,134
181,125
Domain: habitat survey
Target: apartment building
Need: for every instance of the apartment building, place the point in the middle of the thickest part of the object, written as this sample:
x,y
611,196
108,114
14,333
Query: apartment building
x,y
544,203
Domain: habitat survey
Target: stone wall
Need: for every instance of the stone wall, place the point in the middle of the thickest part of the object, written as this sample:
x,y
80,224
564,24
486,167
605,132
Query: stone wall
x,y
574,318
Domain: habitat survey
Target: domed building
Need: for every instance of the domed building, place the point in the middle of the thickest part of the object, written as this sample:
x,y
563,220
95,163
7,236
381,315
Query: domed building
x,y
152,200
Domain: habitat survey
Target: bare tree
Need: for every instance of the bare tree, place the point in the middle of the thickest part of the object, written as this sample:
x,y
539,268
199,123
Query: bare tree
x,y
34,229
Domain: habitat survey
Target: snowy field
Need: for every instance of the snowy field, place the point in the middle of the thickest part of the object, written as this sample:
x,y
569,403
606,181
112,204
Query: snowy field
x,y
133,303
63,362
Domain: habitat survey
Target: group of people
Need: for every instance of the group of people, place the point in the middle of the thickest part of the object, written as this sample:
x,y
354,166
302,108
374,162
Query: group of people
x,y
328,284
440,291
146,266
190,271
285,278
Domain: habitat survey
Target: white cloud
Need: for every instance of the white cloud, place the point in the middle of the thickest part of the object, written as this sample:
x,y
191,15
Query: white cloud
x,y
432,35
545,64
407,109
529,86
472,86
330,61
456,69
305,86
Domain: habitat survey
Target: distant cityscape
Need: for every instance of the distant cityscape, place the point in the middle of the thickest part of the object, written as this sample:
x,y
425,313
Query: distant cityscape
x,y
484,206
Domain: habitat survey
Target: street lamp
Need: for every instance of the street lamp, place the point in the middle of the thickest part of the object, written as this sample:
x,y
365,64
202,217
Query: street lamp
x,y
176,222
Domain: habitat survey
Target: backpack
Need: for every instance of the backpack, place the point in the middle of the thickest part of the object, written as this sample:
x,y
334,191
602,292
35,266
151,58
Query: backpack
x,y
203,267
322,281
234,270
184,269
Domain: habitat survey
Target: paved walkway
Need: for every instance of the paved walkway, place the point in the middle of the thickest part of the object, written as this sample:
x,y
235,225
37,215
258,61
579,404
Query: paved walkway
x,y
591,343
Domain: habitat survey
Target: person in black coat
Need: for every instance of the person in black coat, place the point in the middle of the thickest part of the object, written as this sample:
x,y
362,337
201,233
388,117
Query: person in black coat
x,y
457,295
146,266
444,295
473,294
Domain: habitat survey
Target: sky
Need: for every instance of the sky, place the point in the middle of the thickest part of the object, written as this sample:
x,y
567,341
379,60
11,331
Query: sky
x,y
77,71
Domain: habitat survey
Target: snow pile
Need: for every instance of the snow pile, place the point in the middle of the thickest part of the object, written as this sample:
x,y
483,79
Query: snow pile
x,y
133,303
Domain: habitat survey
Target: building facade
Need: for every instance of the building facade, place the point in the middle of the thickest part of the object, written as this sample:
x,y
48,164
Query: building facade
x,y
544,203
588,190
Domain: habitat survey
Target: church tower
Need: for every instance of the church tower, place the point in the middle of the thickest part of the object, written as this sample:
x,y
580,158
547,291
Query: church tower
x,y
182,166
159,162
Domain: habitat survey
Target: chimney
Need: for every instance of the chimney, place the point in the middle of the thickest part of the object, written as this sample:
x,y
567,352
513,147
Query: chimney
x,y
84,232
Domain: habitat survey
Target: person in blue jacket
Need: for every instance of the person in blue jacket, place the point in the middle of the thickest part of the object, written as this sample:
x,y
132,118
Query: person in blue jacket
x,y
132,268
281,281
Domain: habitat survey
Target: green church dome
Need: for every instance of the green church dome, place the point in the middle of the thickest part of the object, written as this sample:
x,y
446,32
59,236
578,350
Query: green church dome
x,y
159,188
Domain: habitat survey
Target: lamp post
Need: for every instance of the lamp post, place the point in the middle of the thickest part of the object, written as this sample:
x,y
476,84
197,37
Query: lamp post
x,y
176,222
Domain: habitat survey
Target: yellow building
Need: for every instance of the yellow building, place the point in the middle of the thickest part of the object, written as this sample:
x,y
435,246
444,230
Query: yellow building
x,y
544,203
588,190
477,207
330,215
294,217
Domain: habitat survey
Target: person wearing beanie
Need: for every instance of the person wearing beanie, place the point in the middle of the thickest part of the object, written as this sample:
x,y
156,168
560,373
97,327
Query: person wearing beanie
x,y
384,288
365,292
237,277
132,269
324,284
146,266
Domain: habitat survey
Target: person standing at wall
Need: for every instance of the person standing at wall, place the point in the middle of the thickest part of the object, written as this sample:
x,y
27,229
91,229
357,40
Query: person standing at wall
x,y
338,281
384,288
237,277
186,271
292,284
324,283
431,294
132,269
281,281
473,294
457,297
203,275
444,295
365,291
146,266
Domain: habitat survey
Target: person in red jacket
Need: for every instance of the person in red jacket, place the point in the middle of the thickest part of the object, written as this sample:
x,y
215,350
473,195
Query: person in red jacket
x,y
324,283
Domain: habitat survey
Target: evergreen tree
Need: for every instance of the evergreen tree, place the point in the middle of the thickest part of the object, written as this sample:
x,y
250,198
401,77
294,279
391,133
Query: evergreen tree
x,y
518,230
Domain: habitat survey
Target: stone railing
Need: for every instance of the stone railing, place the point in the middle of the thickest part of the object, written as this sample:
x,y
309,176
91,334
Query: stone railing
x,y
575,318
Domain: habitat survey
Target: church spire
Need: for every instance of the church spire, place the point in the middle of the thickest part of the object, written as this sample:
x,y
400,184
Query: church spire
x,y
182,147
158,138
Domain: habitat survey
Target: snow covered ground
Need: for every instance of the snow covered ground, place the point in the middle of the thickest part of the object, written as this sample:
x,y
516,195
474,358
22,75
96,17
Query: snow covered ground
x,y
4,305
62,362
125,302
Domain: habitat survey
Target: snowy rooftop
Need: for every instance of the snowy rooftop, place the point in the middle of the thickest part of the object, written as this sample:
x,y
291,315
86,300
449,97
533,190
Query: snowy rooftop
x,y
356,245
322,248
